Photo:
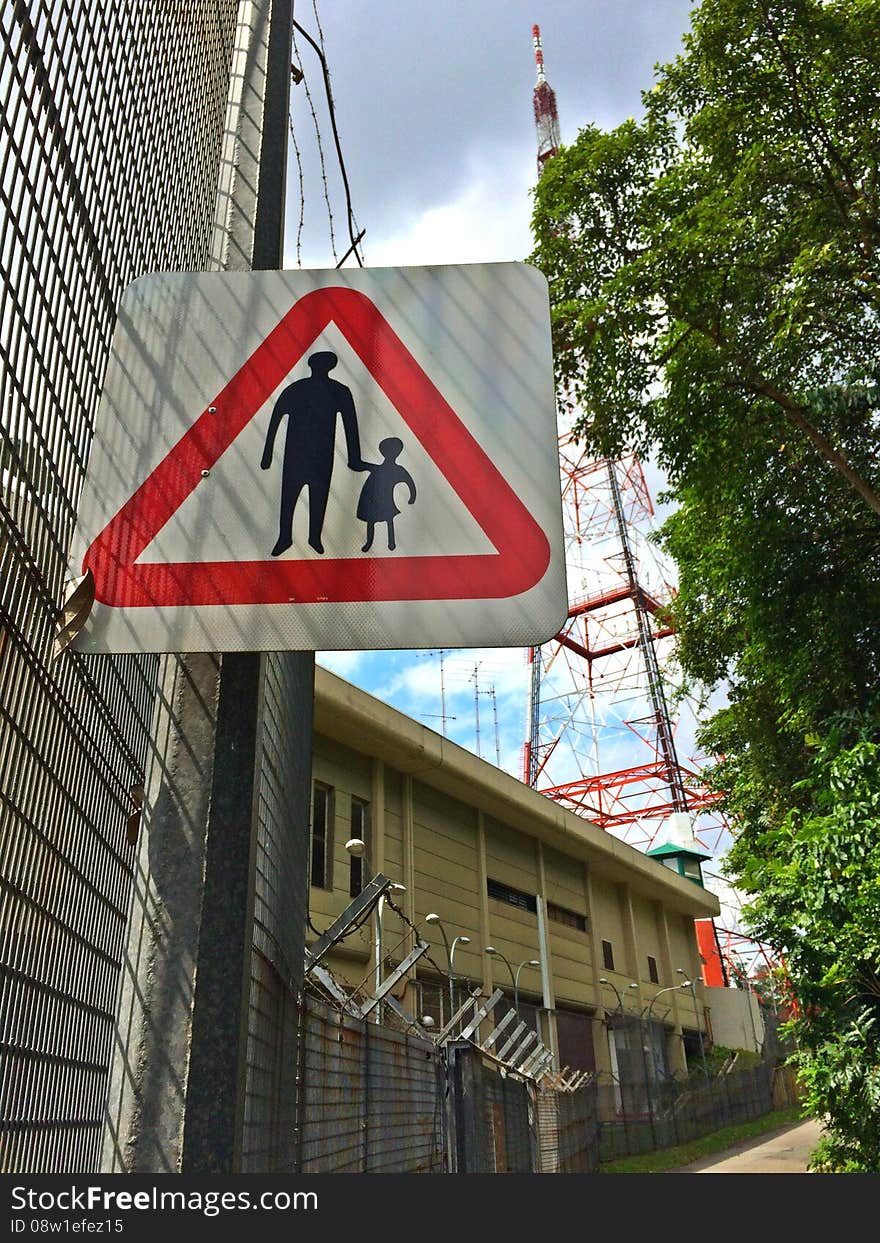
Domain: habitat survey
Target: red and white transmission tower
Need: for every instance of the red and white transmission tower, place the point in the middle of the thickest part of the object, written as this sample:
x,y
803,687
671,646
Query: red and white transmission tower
x,y
601,737
546,117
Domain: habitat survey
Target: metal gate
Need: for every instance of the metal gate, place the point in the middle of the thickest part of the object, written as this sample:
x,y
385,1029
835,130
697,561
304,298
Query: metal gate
x,y
495,1123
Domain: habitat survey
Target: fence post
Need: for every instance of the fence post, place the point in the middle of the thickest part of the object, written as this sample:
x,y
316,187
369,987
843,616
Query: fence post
x,y
365,1124
649,1094
299,1119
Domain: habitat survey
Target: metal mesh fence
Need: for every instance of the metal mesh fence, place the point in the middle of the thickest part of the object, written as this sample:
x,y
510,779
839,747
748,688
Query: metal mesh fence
x,y
568,1130
676,1111
111,121
280,907
371,1098
495,1121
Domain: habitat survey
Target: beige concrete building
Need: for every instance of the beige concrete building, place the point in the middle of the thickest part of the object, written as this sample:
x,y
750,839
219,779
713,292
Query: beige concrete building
x,y
501,866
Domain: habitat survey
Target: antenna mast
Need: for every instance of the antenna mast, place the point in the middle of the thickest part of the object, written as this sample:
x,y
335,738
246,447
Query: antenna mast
x,y
476,683
491,693
546,116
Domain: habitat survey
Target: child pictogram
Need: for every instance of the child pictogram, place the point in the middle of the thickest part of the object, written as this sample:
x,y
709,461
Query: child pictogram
x,y
376,502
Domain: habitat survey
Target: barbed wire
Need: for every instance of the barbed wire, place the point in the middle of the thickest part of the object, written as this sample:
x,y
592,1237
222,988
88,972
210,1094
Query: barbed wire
x,y
353,218
302,193
354,233
415,931
318,139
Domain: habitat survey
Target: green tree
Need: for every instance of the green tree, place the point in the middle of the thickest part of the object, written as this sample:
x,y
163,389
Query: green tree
x,y
816,885
715,289
714,270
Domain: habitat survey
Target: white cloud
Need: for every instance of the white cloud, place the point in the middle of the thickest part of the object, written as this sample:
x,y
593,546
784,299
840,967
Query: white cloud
x,y
345,664
487,222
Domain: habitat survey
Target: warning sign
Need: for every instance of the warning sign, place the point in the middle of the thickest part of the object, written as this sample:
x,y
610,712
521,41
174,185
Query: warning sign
x,y
317,460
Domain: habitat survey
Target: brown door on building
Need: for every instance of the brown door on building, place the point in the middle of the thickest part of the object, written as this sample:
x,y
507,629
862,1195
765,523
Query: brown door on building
x,y
575,1032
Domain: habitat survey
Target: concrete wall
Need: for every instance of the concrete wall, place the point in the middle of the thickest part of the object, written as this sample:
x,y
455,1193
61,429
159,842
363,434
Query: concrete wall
x,y
737,1022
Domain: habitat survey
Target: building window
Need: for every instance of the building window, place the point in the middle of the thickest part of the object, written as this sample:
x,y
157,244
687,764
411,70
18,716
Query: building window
x,y
360,827
652,970
322,836
608,955
515,897
562,915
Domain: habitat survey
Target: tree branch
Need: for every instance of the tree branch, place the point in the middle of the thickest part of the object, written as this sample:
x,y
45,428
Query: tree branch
x,y
793,411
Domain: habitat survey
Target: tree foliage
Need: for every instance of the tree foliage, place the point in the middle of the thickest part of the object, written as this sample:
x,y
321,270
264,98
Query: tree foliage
x,y
715,295
816,885
714,268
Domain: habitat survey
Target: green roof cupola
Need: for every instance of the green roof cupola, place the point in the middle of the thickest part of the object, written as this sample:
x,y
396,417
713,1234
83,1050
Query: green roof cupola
x,y
680,851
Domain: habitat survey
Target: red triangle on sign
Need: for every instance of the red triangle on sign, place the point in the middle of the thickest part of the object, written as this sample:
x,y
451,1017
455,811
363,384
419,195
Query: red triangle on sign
x,y
523,552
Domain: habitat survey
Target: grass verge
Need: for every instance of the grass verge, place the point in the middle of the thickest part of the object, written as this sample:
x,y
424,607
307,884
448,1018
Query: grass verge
x,y
717,1141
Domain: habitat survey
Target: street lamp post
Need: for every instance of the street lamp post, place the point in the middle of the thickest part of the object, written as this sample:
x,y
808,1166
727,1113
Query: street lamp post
x,y
648,1012
689,983
622,1009
620,1004
526,962
357,849
514,975
459,940
434,918
670,989
494,953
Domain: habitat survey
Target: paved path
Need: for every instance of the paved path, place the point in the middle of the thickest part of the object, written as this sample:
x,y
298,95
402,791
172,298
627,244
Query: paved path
x,y
779,1152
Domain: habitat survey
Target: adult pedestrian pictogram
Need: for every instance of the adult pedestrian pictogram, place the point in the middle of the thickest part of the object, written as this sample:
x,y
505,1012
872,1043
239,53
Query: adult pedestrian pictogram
x,y
311,407
415,500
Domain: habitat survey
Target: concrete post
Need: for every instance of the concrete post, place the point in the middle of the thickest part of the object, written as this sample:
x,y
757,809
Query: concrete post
x,y
601,1047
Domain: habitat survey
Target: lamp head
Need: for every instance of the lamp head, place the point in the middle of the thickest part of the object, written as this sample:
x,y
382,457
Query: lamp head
x,y
355,847
602,980
490,949
464,940
534,962
427,1021
397,888
433,918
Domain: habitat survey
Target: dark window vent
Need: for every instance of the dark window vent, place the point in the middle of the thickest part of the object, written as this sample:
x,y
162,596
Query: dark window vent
x,y
571,919
514,897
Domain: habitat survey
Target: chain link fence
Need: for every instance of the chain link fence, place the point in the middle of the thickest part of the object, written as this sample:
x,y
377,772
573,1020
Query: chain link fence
x,y
568,1130
375,1099
675,1111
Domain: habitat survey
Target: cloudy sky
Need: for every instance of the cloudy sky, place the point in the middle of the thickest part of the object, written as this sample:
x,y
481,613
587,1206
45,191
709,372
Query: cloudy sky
x,y
433,107
434,111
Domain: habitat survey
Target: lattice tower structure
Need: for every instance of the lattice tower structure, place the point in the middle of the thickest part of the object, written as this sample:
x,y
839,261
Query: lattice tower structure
x,y
601,738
